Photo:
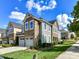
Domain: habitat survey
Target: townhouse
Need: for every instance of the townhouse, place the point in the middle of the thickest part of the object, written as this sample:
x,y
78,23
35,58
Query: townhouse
x,y
56,35
3,37
36,31
12,30
33,32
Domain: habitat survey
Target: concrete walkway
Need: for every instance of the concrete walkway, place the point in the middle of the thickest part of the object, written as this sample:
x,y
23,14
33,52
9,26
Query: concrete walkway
x,y
11,49
71,53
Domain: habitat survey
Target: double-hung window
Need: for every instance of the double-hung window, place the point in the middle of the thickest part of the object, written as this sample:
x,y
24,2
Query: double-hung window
x,y
31,24
26,26
45,25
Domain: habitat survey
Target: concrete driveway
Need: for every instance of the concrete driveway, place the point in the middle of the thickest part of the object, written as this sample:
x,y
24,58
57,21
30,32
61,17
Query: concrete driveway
x,y
71,53
11,49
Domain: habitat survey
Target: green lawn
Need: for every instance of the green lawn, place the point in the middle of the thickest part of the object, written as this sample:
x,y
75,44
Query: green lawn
x,y
42,54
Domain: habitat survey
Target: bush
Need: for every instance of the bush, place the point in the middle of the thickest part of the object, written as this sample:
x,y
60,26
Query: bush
x,y
6,45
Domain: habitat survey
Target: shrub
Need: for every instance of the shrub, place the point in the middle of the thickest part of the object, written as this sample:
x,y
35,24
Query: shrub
x,y
6,45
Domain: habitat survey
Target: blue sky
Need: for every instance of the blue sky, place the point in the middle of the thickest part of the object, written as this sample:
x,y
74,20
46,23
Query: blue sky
x,y
15,10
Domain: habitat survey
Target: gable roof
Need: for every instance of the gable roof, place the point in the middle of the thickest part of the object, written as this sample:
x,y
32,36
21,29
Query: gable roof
x,y
16,25
53,21
2,30
37,19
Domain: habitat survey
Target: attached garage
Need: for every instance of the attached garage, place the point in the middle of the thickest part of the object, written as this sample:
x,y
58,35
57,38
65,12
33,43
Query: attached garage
x,y
29,42
4,41
21,42
11,41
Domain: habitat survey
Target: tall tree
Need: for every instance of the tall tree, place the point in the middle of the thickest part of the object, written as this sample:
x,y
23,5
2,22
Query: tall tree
x,y
74,26
75,12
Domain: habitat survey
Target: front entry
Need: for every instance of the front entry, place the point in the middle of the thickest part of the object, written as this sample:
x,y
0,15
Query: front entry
x,y
17,40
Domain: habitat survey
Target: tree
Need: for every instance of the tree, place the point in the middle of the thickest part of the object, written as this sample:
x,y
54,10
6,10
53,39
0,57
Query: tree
x,y
74,26
75,12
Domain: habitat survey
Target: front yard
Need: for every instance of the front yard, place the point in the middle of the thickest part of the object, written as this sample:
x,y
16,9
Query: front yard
x,y
42,54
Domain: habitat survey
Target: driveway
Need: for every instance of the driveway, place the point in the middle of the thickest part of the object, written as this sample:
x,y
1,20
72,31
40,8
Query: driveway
x,y
71,53
11,49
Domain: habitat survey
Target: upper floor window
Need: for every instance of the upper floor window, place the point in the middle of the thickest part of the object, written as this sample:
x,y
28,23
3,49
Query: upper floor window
x,y
45,25
31,24
49,27
26,26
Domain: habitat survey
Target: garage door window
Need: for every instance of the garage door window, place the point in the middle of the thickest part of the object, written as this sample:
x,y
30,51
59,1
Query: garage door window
x,y
31,38
22,38
26,38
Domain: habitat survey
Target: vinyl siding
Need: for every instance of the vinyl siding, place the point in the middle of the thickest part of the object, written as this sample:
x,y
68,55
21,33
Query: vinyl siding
x,y
46,33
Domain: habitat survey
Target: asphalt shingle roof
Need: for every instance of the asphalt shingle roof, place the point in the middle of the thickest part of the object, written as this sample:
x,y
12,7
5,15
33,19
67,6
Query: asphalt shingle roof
x,y
16,25
2,30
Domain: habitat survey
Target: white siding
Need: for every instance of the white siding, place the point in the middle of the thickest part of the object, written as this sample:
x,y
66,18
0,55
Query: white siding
x,y
46,33
0,35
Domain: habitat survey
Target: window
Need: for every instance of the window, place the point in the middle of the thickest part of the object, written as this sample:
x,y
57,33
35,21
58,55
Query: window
x,y
45,25
26,26
49,39
21,38
32,24
49,28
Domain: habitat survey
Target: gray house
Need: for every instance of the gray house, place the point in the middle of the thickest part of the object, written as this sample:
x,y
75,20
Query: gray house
x,y
3,38
12,29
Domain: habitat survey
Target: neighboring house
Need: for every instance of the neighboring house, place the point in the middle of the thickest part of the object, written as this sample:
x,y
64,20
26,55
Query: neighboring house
x,y
21,40
12,30
71,35
36,31
46,33
56,35
3,38
64,34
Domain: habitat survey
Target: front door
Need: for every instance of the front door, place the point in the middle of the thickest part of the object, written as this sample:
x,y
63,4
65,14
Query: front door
x,y
17,40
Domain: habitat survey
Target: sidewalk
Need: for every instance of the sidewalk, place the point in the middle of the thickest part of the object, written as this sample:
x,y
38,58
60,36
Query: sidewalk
x,y
71,53
11,49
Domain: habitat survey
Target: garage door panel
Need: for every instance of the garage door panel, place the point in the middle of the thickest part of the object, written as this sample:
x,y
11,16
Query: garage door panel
x,y
11,42
21,42
29,42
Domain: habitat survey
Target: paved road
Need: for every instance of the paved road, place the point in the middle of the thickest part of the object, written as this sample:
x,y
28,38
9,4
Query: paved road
x,y
11,49
71,53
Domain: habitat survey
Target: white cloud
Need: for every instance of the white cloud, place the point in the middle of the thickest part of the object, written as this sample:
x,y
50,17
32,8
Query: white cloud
x,y
16,8
4,26
31,4
63,20
71,19
17,15
41,1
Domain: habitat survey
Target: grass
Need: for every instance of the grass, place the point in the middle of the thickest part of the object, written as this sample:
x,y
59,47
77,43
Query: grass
x,y
42,54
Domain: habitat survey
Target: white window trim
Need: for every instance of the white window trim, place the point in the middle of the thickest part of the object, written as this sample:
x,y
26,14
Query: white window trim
x,y
25,26
33,25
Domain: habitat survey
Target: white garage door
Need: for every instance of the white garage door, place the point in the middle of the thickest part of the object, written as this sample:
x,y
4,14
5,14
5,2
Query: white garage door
x,y
11,42
21,42
29,42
